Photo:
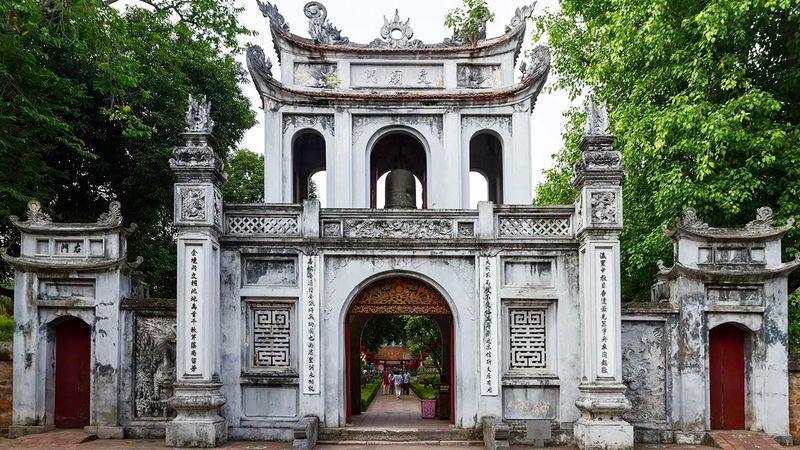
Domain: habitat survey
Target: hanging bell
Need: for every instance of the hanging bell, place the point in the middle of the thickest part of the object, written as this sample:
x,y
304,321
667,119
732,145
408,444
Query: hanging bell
x,y
401,190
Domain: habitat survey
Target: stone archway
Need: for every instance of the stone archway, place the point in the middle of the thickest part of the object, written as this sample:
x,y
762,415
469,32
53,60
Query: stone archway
x,y
396,295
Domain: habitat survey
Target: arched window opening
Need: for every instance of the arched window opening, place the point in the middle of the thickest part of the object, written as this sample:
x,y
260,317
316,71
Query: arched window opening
x,y
478,189
397,151
308,158
486,158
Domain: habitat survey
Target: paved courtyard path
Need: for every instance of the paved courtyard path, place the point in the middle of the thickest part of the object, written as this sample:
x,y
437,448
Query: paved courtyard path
x,y
386,411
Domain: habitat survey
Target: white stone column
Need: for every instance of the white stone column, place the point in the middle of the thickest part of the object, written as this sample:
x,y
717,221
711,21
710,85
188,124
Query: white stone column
x,y
517,184
339,167
602,402
273,153
198,219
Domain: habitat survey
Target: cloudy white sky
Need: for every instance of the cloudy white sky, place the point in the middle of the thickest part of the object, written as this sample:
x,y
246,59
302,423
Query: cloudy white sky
x,y
361,20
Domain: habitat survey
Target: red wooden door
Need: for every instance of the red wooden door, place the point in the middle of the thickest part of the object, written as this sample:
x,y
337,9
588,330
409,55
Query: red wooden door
x,y
347,366
726,373
73,344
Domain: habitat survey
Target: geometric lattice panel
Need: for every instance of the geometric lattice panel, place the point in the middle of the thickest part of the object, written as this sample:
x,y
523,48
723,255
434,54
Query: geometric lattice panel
x,y
527,338
270,226
271,328
532,227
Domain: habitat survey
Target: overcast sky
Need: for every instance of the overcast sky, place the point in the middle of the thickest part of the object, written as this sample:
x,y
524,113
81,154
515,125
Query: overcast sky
x,y
361,20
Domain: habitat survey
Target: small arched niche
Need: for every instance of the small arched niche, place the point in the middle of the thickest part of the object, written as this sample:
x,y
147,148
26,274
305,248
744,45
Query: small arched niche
x,y
308,159
397,150
486,159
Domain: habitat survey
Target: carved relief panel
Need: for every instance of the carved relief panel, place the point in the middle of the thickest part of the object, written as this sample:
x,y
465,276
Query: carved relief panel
x,y
643,370
478,76
314,74
154,363
198,205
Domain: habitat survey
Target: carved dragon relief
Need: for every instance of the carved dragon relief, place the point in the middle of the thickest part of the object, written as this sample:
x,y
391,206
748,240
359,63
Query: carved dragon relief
x,y
154,361
643,366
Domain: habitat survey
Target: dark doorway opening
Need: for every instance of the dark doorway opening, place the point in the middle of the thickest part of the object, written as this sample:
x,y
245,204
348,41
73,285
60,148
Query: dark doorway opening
x,y
398,151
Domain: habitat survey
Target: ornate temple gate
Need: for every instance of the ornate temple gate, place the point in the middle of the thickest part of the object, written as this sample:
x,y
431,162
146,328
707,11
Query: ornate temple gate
x,y
396,295
726,358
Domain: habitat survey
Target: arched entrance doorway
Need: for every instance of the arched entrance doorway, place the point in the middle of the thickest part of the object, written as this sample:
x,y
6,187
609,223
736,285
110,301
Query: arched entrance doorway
x,y
726,355
398,296
72,365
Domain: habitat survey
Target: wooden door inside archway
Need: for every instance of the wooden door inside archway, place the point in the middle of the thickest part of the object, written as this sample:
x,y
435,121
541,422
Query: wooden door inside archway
x,y
72,377
396,295
726,377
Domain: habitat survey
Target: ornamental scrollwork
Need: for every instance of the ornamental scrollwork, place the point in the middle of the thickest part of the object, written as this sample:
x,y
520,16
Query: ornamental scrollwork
x,y
389,39
763,220
522,14
113,217
604,207
297,121
322,31
399,295
193,204
257,61
539,66
399,229
198,116
35,215
691,221
270,11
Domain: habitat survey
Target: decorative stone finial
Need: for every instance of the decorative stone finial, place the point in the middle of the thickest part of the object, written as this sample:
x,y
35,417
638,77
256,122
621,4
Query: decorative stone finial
x,y
257,62
322,31
596,119
520,16
270,11
35,214
198,116
396,34
113,217
763,220
691,221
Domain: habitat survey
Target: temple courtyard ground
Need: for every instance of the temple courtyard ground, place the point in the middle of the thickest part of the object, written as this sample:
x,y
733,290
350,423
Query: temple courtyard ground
x,y
385,412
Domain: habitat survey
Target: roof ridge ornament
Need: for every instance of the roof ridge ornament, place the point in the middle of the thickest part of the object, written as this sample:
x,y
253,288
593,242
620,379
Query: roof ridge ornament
x,y
113,217
322,31
270,11
691,221
763,220
198,116
257,61
597,119
388,34
540,64
35,215
521,15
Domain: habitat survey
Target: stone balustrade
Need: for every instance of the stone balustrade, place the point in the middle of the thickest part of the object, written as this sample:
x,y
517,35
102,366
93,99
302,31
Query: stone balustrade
x,y
488,222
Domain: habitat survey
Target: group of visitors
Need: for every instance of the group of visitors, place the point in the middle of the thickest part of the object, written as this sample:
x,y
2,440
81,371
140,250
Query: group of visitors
x,y
396,382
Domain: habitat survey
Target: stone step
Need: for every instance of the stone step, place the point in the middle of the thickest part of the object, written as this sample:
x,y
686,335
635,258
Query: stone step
x,y
735,440
57,438
400,435
411,443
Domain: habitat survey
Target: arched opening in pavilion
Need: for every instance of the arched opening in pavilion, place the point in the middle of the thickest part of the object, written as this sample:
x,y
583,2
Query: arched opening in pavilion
x,y
308,165
486,159
397,150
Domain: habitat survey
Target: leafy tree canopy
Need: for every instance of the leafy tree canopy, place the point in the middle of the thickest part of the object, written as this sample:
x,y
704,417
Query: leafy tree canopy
x,y
468,21
245,183
92,102
704,101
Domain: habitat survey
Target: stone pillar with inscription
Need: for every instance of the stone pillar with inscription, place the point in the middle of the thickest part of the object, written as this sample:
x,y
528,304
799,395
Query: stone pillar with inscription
x,y
198,220
598,176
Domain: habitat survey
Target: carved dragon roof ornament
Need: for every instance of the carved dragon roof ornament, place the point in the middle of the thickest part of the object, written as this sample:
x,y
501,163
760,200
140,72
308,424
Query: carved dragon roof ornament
x,y
35,214
763,221
322,31
691,221
113,217
761,227
257,62
270,11
540,64
390,39
520,16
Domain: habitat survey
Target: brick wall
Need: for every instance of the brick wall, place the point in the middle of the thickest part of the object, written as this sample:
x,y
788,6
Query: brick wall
x,y
794,395
5,387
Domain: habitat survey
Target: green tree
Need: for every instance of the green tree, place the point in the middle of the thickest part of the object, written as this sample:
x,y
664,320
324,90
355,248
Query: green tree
x,y
423,337
704,100
469,20
92,102
245,182
381,330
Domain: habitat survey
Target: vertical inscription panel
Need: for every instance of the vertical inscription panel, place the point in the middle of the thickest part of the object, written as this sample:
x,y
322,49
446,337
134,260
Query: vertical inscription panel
x,y
193,326
310,325
605,301
490,367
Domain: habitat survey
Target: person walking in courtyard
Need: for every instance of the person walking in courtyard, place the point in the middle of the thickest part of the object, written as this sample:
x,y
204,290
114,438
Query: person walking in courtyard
x,y
398,383
386,382
406,382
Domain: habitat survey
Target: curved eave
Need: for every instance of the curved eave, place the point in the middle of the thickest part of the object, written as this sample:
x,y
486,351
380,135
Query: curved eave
x,y
271,89
61,266
511,40
733,276
727,234
71,228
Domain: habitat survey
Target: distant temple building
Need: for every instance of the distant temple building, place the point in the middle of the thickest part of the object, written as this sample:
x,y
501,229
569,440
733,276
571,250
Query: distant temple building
x,y
263,341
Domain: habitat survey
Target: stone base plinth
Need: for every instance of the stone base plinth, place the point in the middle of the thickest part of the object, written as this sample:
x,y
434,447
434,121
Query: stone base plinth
x,y
601,435
198,423
15,431
105,431
690,437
